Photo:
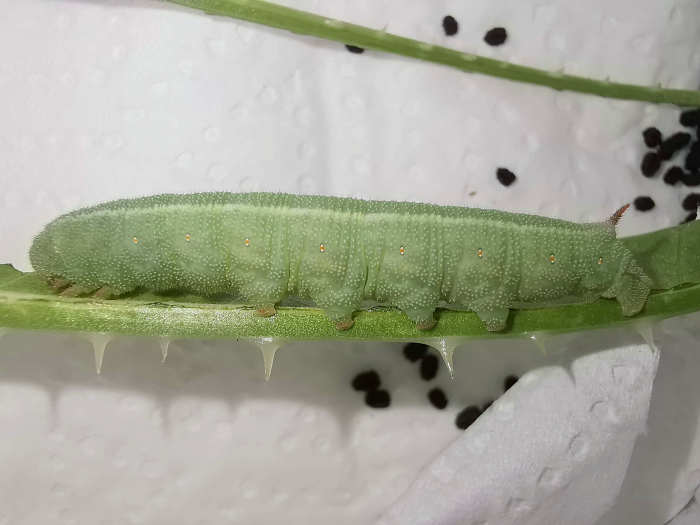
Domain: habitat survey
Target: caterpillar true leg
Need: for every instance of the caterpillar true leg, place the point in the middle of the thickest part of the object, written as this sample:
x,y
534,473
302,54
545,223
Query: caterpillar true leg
x,y
266,310
340,315
423,318
263,293
104,293
494,319
58,283
344,324
77,289
426,325
110,292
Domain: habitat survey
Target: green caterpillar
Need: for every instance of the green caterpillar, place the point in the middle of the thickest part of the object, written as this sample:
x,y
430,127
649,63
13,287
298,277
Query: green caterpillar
x,y
339,253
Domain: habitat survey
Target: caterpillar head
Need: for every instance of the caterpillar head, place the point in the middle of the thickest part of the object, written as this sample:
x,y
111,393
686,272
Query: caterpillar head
x,y
620,275
603,255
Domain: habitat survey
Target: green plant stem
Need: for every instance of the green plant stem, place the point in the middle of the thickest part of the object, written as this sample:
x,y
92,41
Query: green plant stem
x,y
305,23
149,315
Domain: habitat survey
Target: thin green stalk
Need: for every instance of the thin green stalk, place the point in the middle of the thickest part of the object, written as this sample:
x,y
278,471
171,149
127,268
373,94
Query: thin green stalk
x,y
305,23
27,303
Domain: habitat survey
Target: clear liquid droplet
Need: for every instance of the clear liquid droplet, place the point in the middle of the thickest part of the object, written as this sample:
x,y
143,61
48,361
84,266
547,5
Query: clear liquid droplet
x,y
268,347
539,340
99,343
164,344
446,347
646,330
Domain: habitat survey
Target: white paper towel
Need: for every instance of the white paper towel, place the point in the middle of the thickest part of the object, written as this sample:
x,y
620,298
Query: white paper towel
x,y
537,458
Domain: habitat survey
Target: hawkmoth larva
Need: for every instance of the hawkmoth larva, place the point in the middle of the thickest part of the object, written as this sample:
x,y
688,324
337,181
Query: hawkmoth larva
x,y
339,252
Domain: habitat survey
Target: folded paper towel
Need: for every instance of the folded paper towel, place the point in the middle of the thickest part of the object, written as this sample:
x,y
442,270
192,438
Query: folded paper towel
x,y
538,458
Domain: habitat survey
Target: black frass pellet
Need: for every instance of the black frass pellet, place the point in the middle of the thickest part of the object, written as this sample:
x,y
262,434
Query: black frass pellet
x,y
673,175
437,398
691,178
415,351
366,381
450,25
429,367
674,143
496,36
509,382
644,203
505,176
467,416
354,49
690,118
692,161
378,398
652,137
650,164
691,202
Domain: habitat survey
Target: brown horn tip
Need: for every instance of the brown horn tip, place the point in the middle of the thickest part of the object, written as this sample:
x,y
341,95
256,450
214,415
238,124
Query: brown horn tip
x,y
615,217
